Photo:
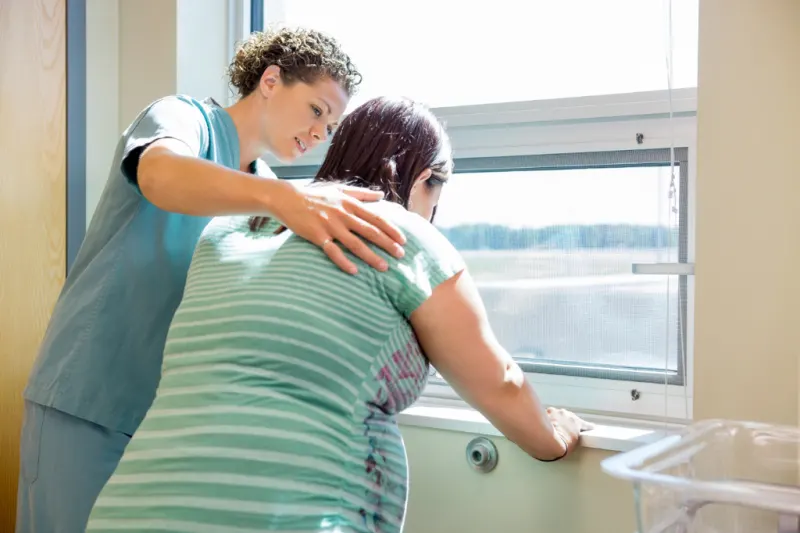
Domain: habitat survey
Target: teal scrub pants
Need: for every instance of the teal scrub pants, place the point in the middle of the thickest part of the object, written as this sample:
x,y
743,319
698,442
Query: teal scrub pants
x,y
64,463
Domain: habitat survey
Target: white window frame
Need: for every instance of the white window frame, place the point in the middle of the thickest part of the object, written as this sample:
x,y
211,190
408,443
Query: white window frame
x,y
580,125
605,123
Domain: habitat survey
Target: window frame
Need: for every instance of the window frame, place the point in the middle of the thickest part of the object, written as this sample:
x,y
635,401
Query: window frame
x,y
666,120
596,160
516,135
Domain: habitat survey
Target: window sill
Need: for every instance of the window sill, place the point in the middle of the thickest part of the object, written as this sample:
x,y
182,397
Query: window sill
x,y
609,434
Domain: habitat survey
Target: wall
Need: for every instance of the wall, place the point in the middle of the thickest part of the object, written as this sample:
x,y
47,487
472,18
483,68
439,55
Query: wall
x,y
102,94
184,51
520,496
747,341
32,206
203,49
166,47
147,54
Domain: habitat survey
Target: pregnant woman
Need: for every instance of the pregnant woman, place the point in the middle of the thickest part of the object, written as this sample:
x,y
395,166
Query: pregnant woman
x,y
283,375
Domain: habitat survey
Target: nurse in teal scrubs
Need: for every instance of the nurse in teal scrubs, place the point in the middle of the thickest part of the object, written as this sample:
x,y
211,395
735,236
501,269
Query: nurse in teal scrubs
x,y
179,163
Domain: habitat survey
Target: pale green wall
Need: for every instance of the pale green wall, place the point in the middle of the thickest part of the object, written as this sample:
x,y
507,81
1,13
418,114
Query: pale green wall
x,y
520,496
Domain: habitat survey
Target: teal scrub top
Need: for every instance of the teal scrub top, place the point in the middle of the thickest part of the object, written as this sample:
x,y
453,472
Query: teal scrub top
x,y
101,356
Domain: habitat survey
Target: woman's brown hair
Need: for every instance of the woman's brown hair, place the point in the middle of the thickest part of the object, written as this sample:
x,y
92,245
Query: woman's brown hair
x,y
385,144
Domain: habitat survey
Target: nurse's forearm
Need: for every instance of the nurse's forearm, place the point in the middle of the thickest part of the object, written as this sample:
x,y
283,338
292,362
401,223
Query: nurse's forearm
x,y
193,186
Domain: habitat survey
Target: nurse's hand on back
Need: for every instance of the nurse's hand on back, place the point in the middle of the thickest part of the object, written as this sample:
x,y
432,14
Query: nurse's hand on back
x,y
172,177
175,180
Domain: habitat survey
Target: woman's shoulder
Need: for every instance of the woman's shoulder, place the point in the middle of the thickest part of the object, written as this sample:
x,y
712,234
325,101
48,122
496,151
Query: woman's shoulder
x,y
429,259
419,232
427,250
401,217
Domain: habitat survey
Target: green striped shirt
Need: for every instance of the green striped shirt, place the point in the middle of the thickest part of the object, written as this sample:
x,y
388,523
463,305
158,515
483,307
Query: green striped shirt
x,y
281,380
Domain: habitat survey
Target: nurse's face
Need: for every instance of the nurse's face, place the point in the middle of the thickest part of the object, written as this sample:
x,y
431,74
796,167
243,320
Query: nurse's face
x,y
299,116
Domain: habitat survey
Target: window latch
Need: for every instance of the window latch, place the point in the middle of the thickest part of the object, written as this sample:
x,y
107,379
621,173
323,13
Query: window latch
x,y
663,269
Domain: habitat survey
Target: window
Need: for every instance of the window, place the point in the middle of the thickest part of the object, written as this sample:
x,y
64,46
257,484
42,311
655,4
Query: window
x,y
445,54
573,199
551,243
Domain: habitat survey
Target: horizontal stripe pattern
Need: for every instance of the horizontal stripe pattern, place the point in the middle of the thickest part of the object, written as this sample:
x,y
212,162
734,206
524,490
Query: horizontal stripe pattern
x,y
281,379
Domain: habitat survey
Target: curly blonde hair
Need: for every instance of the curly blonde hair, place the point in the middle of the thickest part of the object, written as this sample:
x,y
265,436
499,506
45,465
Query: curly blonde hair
x,y
302,54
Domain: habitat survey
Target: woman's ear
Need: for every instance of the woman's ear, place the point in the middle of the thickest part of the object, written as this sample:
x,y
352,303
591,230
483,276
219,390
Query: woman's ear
x,y
418,182
423,176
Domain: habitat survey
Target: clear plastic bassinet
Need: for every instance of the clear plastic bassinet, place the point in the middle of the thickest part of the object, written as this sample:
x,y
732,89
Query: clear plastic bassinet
x,y
716,477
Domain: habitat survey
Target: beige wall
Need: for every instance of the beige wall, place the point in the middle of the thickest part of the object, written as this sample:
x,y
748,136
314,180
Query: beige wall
x,y
747,339
748,251
203,48
102,95
147,54
166,47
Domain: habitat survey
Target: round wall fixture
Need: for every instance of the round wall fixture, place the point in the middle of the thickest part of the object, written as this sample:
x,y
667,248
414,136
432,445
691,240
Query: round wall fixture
x,y
482,455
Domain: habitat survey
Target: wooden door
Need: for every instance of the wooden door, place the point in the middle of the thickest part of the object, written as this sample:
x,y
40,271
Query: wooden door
x,y
32,205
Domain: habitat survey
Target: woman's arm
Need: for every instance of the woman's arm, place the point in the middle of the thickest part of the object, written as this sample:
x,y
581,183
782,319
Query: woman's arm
x,y
172,178
454,332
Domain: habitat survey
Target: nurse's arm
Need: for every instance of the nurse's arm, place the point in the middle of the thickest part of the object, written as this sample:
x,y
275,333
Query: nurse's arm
x,y
172,178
